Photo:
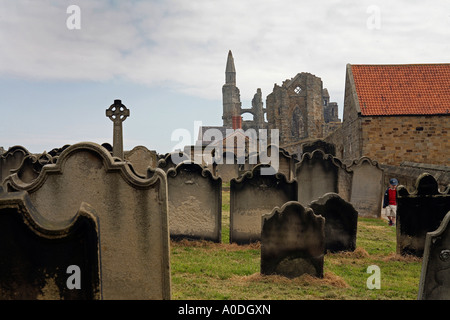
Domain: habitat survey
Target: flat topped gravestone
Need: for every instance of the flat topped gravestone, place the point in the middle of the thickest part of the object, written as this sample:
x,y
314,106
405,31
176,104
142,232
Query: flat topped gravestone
x,y
117,113
251,196
341,221
195,203
435,276
418,213
367,187
292,241
40,259
132,211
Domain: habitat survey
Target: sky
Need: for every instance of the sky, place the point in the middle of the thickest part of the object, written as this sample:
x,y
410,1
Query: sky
x,y
63,63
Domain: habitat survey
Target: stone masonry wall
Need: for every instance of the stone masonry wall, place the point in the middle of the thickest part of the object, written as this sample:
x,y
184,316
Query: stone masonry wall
x,y
393,140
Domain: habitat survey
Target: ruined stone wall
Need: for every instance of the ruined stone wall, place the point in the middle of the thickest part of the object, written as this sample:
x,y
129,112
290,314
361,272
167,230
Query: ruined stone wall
x,y
296,109
392,140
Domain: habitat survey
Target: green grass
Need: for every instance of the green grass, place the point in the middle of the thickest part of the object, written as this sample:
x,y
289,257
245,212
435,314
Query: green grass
x,y
204,270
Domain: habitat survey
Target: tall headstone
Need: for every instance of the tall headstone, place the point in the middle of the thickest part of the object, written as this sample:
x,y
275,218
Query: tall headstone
x,y
341,220
292,241
251,196
367,187
132,212
44,260
318,173
435,276
117,113
418,213
195,202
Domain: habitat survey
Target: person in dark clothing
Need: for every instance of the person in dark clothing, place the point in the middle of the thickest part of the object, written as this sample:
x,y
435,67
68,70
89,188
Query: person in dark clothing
x,y
390,201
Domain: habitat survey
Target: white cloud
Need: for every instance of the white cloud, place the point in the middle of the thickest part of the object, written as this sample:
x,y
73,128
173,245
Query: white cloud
x,y
183,44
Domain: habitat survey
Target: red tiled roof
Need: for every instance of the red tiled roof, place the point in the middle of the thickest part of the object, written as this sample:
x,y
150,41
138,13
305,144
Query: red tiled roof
x,y
410,89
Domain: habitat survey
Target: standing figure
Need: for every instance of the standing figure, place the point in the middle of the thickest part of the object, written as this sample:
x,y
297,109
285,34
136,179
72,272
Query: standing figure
x,y
390,201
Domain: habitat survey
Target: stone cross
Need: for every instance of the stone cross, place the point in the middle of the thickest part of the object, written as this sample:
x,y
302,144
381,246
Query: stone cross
x,y
117,112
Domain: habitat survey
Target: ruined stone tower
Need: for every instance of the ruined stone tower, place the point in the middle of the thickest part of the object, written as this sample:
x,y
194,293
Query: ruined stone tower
x,y
230,94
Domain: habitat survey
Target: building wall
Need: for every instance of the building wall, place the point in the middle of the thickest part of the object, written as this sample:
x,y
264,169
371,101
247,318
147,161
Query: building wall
x,y
351,124
392,140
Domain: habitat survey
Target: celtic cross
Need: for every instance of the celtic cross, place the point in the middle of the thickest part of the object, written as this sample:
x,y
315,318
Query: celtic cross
x,y
117,112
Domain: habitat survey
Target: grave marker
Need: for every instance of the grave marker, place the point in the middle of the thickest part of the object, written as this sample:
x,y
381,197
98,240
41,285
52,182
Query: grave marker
x,y
35,252
292,241
117,113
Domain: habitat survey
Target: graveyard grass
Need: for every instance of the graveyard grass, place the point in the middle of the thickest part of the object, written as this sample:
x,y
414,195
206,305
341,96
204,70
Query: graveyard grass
x,y
203,270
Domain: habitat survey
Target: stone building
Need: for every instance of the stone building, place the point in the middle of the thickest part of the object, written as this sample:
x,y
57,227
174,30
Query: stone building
x,y
300,109
397,113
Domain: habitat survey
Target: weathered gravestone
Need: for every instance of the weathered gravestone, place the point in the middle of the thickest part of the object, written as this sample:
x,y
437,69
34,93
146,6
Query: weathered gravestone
x,y
318,173
11,159
292,241
367,187
435,276
286,162
171,160
251,196
311,146
418,213
141,158
32,165
227,167
195,203
341,220
132,212
41,259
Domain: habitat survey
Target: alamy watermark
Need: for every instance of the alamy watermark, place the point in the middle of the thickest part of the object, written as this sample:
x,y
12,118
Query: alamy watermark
x,y
374,281
73,21
235,146
374,20
74,280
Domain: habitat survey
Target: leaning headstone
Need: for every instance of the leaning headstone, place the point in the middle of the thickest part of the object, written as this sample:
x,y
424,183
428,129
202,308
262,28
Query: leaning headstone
x,y
195,203
132,212
418,213
367,187
435,275
11,159
341,221
44,260
318,173
292,241
141,158
253,195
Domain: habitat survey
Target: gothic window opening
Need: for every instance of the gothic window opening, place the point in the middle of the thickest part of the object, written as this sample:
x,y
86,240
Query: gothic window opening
x,y
297,90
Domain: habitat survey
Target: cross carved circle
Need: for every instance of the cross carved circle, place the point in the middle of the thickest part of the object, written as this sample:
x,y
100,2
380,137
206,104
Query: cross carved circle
x,y
117,112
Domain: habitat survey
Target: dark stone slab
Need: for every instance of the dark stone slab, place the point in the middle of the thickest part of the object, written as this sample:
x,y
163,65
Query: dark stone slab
x,y
35,253
292,241
341,220
418,213
435,276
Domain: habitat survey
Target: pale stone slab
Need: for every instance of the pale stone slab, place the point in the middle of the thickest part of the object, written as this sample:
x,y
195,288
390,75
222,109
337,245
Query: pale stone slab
x,y
195,203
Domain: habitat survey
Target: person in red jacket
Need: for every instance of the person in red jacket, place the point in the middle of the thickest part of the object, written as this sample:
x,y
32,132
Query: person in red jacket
x,y
390,201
